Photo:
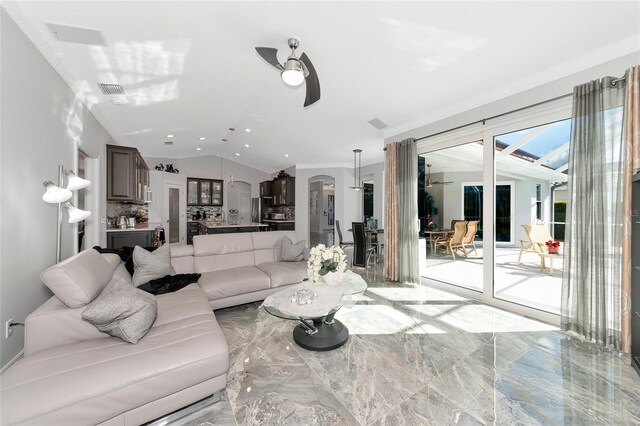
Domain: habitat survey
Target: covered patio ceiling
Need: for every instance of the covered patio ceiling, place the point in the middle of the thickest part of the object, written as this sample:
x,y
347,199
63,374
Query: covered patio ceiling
x,y
540,152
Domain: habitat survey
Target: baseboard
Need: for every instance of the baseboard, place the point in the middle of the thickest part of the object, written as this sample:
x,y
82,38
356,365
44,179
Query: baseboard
x,y
14,359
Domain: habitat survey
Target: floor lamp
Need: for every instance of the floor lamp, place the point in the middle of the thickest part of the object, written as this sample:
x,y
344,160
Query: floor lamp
x,y
56,194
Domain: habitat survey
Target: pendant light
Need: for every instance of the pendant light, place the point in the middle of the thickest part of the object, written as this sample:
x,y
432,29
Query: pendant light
x,y
356,170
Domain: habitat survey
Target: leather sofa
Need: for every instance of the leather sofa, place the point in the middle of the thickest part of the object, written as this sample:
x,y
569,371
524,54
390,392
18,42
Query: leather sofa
x,y
239,268
71,373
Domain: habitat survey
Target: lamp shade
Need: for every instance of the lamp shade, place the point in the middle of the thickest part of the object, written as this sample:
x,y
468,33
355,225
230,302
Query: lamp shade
x,y
75,182
55,194
75,214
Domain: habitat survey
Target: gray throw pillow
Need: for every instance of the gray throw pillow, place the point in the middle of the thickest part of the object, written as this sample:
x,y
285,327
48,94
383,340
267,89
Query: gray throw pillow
x,y
290,252
151,265
122,311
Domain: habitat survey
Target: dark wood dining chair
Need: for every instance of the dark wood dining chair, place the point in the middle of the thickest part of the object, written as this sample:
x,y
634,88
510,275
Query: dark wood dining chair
x,y
362,252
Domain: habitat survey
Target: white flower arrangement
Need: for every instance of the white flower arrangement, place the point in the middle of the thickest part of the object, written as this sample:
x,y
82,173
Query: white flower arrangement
x,y
323,260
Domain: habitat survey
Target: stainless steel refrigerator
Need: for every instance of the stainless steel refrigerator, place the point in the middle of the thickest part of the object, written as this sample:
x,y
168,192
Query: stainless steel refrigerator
x,y
255,210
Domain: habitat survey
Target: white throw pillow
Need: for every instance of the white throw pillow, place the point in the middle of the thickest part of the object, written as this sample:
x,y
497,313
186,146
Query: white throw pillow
x,y
122,311
290,252
151,265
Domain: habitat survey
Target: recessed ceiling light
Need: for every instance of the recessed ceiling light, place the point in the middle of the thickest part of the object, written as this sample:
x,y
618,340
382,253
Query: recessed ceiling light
x,y
202,138
198,149
169,136
246,145
237,154
286,155
247,130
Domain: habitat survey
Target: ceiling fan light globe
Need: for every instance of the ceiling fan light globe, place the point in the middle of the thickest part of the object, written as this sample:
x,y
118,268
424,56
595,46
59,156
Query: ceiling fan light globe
x,y
292,74
292,77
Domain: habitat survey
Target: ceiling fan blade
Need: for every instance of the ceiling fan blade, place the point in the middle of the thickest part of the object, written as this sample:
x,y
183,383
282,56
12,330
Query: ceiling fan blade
x,y
269,54
311,81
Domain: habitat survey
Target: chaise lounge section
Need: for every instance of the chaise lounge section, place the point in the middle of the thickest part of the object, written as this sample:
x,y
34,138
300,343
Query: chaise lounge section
x,y
71,373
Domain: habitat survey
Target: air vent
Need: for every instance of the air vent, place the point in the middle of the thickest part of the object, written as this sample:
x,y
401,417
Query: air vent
x,y
111,89
377,123
76,35
168,143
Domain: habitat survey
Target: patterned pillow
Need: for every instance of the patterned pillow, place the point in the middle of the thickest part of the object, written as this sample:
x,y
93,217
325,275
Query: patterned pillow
x,y
122,311
149,266
290,252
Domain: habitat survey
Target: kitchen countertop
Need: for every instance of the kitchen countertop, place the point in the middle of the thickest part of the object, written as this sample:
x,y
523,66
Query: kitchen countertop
x,y
226,225
279,221
136,228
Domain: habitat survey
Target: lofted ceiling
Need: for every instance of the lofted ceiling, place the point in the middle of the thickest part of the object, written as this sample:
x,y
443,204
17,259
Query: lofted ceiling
x,y
190,70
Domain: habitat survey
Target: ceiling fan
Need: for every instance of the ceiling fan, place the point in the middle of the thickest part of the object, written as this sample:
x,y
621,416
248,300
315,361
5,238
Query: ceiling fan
x,y
295,70
428,183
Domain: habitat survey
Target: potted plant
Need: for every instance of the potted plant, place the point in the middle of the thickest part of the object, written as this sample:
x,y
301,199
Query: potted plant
x,y
553,246
328,263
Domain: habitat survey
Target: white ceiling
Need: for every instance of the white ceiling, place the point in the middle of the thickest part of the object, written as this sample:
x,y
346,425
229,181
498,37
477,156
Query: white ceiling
x,y
190,69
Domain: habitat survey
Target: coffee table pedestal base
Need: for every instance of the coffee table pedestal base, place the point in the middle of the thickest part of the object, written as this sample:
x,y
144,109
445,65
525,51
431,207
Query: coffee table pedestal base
x,y
328,336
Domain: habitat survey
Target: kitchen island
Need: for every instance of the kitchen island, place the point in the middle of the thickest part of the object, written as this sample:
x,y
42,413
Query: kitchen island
x,y
281,224
140,235
201,227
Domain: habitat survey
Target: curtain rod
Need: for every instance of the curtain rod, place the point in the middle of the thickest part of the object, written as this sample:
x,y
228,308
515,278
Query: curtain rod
x,y
484,120
493,117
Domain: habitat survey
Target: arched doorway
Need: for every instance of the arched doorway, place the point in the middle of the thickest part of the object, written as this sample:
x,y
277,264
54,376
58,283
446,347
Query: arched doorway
x,y
322,210
239,198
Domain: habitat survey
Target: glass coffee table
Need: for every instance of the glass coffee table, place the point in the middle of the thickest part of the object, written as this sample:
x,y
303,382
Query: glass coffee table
x,y
317,329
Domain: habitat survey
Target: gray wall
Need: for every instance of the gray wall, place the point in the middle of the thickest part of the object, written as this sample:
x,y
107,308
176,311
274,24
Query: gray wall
x,y
43,124
208,166
527,98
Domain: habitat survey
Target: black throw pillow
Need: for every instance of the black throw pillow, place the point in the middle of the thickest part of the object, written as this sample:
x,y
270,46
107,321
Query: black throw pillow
x,y
169,283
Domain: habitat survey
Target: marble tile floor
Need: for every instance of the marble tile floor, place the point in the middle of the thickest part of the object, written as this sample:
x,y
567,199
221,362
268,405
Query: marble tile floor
x,y
419,356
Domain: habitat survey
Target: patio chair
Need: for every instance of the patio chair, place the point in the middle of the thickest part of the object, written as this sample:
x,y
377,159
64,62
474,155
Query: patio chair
x,y
470,236
537,235
454,242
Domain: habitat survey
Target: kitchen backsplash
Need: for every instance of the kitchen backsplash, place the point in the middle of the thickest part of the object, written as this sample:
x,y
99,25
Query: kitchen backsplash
x,y
212,212
116,209
289,212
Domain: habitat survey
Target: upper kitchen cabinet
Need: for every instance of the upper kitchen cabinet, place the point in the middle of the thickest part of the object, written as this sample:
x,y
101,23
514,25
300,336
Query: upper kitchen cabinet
x,y
265,189
127,175
284,191
204,192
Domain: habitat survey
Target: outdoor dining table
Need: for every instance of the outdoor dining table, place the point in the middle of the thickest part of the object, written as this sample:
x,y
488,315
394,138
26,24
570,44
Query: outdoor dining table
x,y
432,236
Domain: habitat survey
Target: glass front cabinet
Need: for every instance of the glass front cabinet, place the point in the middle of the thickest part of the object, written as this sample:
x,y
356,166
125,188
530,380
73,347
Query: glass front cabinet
x,y
204,192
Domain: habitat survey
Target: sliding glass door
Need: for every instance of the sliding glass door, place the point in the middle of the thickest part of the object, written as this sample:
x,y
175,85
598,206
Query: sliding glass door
x,y
537,159
448,254
501,258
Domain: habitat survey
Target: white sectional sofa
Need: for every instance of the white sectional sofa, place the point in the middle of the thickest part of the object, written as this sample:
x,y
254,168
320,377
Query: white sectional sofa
x,y
71,373
238,268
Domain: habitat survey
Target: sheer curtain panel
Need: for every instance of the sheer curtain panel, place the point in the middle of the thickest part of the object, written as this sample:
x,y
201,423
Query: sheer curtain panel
x,y
401,212
591,288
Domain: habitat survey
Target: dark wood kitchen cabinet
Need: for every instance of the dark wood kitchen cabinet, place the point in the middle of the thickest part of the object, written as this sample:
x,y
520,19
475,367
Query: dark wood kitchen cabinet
x,y
127,175
204,192
265,189
284,191
119,239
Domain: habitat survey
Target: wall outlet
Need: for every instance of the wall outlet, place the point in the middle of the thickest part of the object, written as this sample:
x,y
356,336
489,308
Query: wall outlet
x,y
8,330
